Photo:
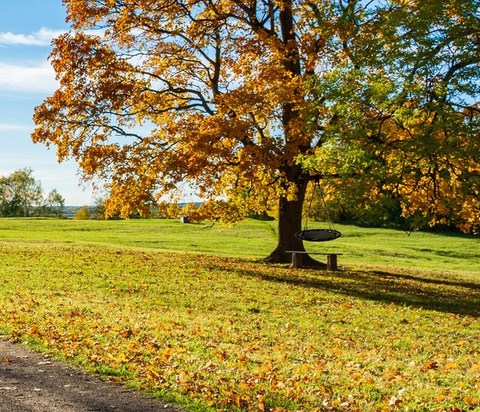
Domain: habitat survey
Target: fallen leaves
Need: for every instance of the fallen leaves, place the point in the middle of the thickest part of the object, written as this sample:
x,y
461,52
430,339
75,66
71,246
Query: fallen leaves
x,y
397,399
430,365
188,329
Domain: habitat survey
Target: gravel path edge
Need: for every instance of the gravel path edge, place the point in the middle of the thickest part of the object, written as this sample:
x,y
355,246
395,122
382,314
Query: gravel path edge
x,y
34,382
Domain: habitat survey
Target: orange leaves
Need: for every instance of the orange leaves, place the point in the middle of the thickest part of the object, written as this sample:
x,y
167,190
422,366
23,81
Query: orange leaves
x,y
221,355
430,365
167,354
145,108
233,398
227,211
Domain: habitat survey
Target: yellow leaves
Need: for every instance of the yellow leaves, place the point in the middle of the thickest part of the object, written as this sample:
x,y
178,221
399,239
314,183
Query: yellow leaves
x,y
472,401
221,355
440,398
167,354
233,398
475,368
451,365
227,211
213,106
191,332
266,368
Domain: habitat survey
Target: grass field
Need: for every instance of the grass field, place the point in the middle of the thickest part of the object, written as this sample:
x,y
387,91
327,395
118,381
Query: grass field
x,y
193,316
382,249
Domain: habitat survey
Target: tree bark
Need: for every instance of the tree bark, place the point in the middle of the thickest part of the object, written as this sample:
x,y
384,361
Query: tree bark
x,y
289,223
290,211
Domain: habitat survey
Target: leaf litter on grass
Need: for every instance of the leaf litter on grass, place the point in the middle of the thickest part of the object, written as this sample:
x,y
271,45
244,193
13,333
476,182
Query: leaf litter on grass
x,y
233,334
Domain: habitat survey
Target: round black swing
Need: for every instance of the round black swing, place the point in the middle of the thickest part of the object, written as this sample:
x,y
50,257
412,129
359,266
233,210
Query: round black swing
x,y
318,235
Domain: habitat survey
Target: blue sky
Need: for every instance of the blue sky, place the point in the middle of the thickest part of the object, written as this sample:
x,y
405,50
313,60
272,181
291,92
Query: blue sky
x,y
26,79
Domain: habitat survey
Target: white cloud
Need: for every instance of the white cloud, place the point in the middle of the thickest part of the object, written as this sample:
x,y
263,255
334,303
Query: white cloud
x,y
31,79
8,127
42,37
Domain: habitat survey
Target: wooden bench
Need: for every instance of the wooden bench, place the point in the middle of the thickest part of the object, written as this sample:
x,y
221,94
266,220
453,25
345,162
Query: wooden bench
x,y
297,258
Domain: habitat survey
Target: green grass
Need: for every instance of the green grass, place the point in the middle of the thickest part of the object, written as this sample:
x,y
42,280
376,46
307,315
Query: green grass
x,y
250,239
219,330
380,249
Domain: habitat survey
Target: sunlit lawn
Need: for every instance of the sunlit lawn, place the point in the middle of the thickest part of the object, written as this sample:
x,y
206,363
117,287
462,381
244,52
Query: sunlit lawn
x,y
230,333
381,249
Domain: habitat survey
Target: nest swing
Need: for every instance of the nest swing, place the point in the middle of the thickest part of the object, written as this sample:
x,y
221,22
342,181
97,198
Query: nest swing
x,y
318,235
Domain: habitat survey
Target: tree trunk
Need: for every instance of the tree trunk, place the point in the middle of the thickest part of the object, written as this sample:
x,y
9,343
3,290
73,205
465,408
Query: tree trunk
x,y
290,211
289,223
25,205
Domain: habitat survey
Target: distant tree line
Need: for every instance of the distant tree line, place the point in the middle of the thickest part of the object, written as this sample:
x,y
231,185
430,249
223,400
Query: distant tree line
x,y
95,212
322,206
21,195
385,212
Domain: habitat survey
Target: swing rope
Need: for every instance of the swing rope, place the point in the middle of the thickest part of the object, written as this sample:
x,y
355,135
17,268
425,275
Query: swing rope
x,y
318,235
327,212
305,226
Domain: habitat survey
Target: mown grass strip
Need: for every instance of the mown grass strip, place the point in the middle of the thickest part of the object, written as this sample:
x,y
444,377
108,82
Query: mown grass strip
x,y
378,249
222,333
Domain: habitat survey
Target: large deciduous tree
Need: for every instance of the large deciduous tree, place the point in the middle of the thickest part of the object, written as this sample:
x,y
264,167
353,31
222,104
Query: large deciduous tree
x,y
402,100
249,99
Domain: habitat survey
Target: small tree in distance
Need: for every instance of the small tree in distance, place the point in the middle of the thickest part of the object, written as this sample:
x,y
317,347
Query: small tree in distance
x,y
54,204
20,194
82,214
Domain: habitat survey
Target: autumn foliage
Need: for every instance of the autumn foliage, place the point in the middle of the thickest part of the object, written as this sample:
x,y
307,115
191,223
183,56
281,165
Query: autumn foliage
x,y
209,332
247,101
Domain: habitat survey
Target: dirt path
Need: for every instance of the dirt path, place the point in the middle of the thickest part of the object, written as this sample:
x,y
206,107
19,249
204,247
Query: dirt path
x,y
32,382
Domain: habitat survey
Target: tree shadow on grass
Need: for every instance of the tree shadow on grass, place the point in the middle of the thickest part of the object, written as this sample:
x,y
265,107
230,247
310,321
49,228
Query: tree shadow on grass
x,y
461,298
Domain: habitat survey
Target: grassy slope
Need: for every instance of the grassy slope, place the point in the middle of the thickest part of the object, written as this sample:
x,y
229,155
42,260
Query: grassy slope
x,y
362,248
231,333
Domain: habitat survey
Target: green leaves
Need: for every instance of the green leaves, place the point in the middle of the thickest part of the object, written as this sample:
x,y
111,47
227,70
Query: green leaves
x,y
399,120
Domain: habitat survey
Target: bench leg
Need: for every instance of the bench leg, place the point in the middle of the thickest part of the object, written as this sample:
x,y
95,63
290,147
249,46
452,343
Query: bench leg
x,y
296,260
332,262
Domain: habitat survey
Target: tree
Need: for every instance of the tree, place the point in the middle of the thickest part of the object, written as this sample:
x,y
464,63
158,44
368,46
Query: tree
x,y
238,98
55,203
19,193
99,209
82,214
404,117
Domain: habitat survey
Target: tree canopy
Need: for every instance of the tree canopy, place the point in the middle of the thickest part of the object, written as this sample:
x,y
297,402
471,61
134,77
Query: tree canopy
x,y
403,114
249,100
